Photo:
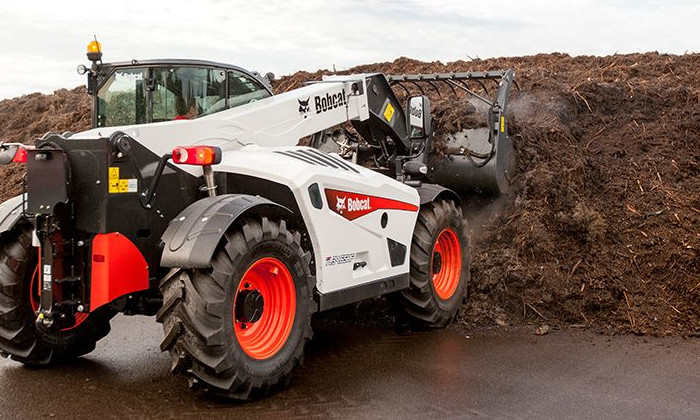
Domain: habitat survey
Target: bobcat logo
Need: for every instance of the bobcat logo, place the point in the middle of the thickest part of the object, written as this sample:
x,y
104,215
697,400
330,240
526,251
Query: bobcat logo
x,y
303,106
340,204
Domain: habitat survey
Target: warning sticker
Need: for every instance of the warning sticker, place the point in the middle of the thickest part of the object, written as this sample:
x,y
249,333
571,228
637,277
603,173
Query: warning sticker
x,y
389,112
113,186
123,186
46,283
117,185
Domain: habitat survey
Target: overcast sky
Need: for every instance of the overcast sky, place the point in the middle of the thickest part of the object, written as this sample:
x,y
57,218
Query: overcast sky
x,y
44,41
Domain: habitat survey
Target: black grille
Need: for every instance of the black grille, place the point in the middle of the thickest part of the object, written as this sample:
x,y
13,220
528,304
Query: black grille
x,y
315,157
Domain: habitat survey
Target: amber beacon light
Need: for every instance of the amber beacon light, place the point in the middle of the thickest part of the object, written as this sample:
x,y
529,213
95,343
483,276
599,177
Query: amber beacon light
x,y
94,51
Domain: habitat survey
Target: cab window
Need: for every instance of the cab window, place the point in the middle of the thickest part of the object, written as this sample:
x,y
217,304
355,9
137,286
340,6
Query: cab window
x,y
242,89
121,99
187,92
164,93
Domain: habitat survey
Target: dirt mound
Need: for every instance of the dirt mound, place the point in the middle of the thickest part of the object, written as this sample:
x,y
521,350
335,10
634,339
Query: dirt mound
x,y
603,227
29,117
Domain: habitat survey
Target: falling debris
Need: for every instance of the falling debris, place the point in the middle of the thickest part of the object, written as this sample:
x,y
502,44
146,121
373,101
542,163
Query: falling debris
x,y
542,330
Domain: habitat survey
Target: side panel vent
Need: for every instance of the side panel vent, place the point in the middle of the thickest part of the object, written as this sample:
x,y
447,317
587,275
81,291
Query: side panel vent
x,y
315,157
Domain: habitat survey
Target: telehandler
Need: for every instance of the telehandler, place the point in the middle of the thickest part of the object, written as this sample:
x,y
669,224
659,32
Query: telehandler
x,y
190,200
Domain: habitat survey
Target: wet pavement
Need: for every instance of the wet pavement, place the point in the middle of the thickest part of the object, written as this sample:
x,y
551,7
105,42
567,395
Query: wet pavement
x,y
359,372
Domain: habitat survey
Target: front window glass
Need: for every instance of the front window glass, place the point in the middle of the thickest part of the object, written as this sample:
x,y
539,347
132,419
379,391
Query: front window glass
x,y
242,89
121,100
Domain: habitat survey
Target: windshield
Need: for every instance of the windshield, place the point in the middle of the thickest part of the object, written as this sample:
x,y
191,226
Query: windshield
x,y
242,89
141,95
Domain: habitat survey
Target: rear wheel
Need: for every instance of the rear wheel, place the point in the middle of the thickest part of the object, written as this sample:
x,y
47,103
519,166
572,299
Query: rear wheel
x,y
19,300
439,271
239,328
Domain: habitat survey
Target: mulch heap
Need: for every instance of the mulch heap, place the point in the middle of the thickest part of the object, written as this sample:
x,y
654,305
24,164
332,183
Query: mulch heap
x,y
24,119
603,227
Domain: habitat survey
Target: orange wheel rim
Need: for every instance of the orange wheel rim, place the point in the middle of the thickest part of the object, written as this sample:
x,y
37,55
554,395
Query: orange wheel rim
x,y
264,308
446,264
35,295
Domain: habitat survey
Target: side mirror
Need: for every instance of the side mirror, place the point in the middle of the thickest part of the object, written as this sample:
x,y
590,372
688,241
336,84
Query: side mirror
x,y
418,111
91,82
7,154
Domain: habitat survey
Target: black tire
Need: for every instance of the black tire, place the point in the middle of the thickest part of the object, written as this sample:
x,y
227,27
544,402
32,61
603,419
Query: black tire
x,y
200,308
421,305
19,337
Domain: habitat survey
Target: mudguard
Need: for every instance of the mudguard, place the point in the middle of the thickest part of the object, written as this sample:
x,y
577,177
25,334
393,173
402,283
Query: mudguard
x,y
10,213
191,238
429,192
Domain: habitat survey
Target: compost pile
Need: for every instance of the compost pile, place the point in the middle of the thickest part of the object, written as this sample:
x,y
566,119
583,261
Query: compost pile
x,y
603,226
29,117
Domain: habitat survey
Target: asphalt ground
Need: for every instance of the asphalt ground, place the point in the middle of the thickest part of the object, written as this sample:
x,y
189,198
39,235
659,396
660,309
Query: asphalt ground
x,y
354,371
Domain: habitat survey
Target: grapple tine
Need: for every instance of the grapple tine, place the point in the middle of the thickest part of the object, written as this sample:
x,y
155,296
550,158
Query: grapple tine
x,y
483,86
454,91
408,93
460,84
418,86
431,83
453,80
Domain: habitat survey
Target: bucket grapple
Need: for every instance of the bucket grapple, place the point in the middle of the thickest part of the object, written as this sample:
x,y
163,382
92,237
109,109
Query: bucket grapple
x,y
479,157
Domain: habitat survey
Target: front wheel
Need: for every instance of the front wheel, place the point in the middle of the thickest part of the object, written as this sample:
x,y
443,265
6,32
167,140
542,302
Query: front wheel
x,y
439,271
239,328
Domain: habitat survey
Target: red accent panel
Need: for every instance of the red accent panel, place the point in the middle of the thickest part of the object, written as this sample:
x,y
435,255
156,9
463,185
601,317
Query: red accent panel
x,y
20,156
352,205
123,269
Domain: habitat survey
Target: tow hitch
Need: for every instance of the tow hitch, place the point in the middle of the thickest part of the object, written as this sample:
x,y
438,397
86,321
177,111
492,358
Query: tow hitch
x,y
47,179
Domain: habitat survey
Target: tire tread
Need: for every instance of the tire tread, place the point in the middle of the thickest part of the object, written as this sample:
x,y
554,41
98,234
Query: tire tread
x,y
193,319
419,303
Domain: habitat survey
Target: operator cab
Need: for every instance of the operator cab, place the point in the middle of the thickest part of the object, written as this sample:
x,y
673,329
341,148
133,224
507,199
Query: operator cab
x,y
142,92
